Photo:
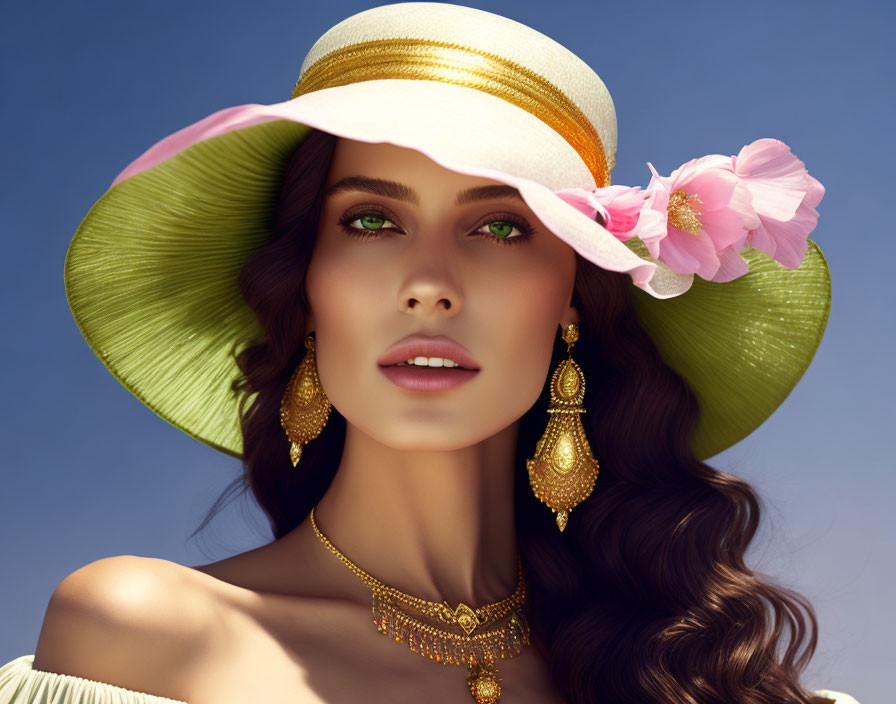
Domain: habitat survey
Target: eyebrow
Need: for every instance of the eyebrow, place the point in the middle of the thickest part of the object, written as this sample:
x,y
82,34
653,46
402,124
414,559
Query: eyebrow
x,y
399,191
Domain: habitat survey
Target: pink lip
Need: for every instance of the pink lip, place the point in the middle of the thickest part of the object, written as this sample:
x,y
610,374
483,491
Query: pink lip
x,y
432,378
427,379
423,346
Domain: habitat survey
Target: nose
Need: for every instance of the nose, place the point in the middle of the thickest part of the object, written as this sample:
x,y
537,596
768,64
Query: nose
x,y
430,284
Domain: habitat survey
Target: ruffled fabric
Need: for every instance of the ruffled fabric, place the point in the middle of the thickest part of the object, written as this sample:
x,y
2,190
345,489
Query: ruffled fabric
x,y
20,683
838,697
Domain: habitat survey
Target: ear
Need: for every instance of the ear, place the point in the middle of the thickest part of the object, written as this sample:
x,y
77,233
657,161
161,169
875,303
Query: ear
x,y
306,309
570,315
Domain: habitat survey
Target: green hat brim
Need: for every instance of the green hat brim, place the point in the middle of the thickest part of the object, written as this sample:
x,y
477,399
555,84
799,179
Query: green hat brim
x,y
151,278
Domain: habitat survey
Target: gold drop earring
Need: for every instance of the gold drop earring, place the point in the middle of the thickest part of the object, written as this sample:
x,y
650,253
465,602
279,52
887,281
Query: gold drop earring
x,y
563,471
305,407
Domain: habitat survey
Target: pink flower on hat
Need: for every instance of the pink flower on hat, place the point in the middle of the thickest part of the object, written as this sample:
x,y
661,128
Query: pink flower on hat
x,y
699,218
783,196
621,208
618,206
706,210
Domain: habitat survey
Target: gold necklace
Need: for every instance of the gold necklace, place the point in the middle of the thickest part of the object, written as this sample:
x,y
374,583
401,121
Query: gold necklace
x,y
400,616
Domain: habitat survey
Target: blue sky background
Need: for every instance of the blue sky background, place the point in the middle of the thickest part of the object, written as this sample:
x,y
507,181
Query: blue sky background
x,y
88,472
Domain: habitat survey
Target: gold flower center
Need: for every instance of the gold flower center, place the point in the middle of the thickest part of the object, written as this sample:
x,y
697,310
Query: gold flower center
x,y
683,212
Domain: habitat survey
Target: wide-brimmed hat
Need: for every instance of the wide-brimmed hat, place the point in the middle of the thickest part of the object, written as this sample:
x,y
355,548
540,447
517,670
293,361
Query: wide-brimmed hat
x,y
724,279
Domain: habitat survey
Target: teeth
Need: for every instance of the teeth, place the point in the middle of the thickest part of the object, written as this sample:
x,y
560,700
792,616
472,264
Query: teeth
x,y
429,362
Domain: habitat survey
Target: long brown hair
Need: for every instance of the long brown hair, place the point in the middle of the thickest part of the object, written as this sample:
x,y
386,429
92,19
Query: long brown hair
x,y
645,598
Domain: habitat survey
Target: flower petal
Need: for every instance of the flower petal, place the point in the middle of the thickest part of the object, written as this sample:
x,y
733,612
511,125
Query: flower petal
x,y
785,242
815,193
742,203
656,178
775,177
652,226
724,227
689,254
582,199
712,183
624,206
731,266
619,206
651,229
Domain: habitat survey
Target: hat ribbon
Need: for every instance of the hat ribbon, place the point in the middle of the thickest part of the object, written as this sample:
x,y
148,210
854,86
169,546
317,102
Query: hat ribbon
x,y
431,60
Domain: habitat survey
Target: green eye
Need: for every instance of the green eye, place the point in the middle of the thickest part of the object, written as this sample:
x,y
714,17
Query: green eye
x,y
501,231
501,228
371,221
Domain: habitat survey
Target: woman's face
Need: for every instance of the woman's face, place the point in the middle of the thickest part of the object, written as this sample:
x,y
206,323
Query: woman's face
x,y
403,257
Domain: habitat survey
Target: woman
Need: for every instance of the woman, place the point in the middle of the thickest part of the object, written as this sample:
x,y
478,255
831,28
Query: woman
x,y
323,252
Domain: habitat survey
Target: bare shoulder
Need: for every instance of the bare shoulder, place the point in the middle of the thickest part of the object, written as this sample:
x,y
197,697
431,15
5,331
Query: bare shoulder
x,y
126,620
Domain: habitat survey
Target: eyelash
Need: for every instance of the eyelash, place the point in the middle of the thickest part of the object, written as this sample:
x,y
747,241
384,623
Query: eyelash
x,y
363,234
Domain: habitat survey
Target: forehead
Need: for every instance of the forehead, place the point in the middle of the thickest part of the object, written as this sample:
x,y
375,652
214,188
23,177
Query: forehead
x,y
390,161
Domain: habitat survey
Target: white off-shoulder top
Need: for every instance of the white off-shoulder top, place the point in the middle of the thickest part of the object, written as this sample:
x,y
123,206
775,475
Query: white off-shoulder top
x,y
20,683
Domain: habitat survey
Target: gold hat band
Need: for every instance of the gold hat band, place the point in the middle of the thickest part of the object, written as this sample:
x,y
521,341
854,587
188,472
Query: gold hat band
x,y
430,60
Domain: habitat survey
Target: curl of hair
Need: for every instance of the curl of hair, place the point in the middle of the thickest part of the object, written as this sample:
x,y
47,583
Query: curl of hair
x,y
645,598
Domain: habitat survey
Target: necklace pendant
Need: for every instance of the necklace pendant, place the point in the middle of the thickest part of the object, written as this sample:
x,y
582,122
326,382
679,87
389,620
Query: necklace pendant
x,y
485,686
466,617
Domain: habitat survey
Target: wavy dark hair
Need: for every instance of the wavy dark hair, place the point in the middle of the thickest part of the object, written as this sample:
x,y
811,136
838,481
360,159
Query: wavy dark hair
x,y
645,598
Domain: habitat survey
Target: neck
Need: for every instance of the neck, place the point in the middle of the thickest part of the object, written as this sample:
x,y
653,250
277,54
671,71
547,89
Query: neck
x,y
438,525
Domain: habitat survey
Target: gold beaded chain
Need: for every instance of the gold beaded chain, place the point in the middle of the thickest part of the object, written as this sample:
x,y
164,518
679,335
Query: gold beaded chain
x,y
398,615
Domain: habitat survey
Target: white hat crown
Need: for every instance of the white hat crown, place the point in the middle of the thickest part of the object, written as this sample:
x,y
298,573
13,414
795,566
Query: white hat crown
x,y
486,34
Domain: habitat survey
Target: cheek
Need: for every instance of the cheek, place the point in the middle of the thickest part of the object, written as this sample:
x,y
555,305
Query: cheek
x,y
525,324
339,282
342,292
